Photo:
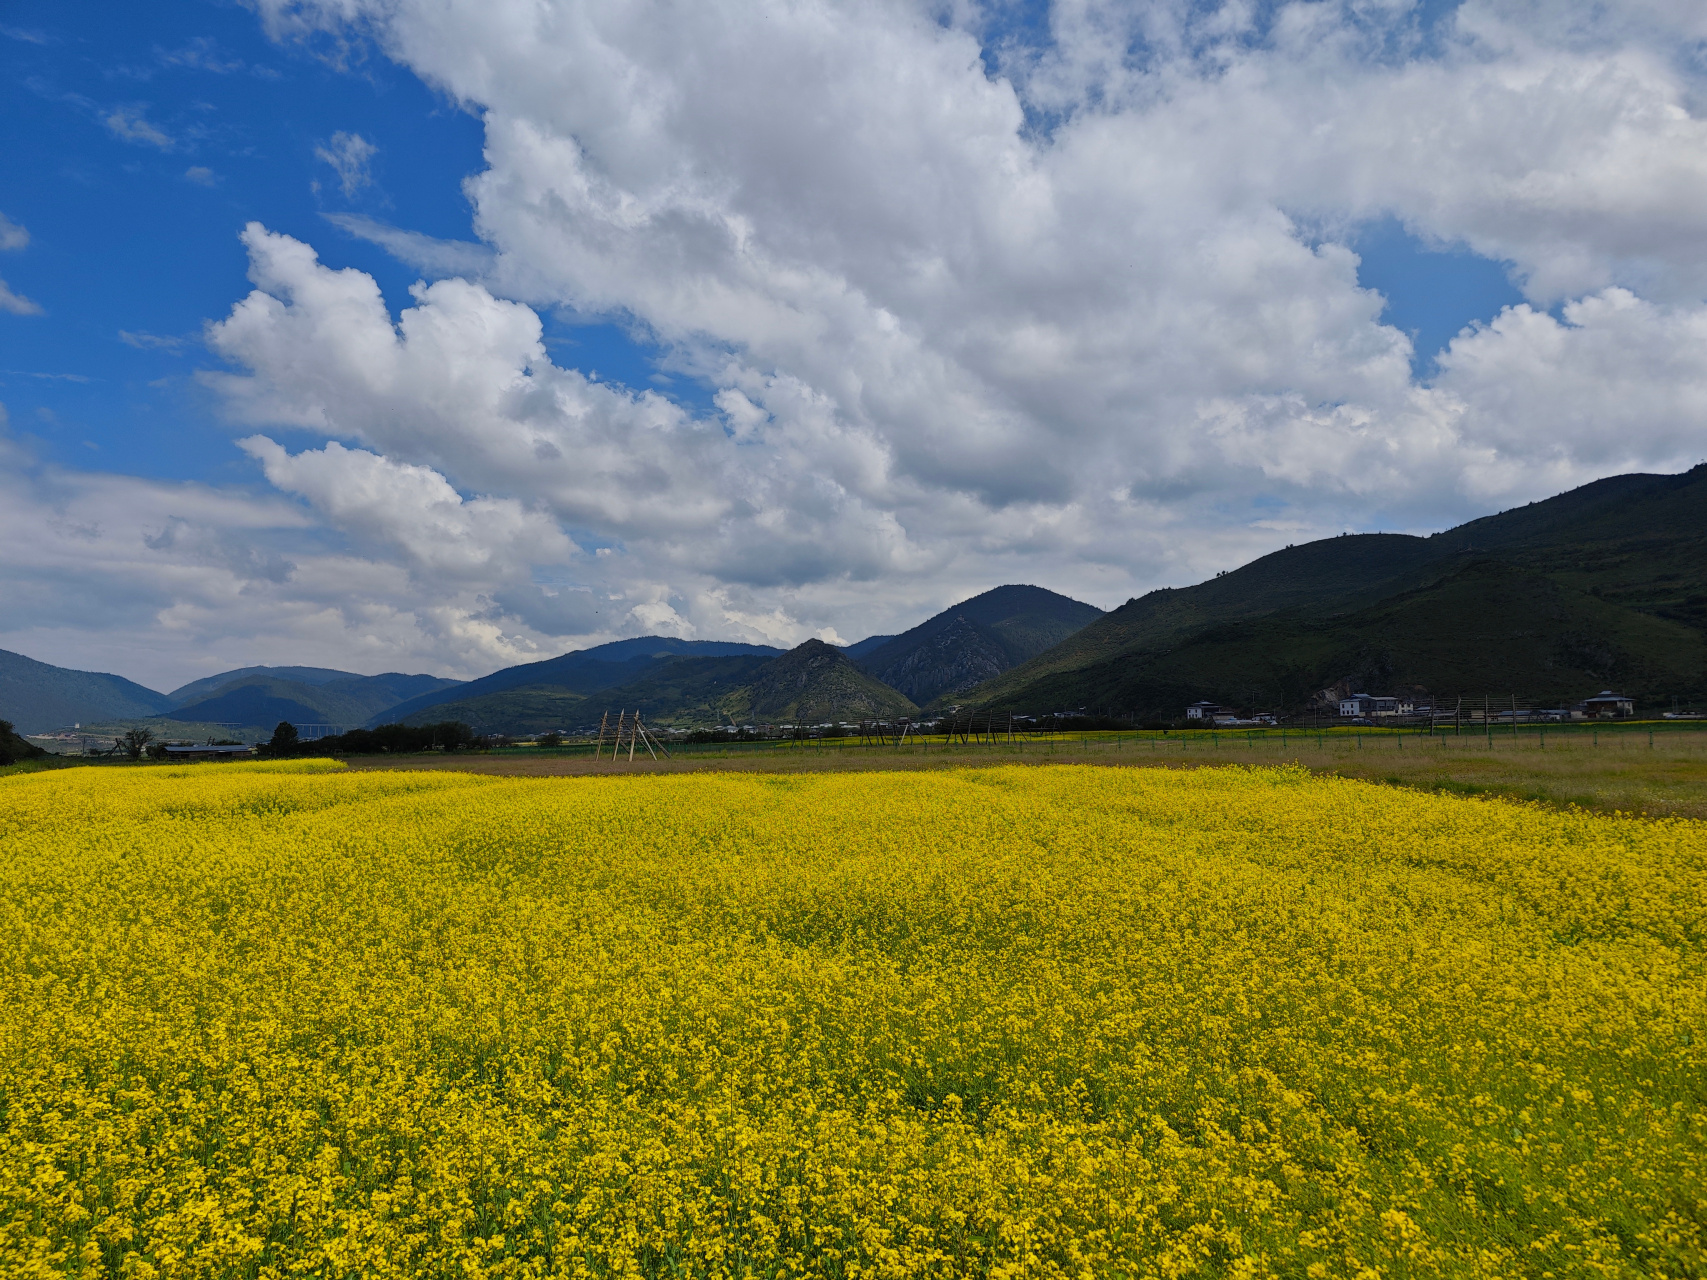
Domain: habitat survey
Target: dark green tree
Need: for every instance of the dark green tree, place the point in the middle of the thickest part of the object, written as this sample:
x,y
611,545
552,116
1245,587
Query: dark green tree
x,y
284,737
135,742
13,747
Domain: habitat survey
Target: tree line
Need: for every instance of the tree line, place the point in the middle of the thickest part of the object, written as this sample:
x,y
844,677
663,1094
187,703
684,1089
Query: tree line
x,y
387,739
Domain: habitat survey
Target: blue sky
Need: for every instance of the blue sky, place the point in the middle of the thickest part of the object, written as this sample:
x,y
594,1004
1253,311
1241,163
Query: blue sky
x,y
142,138
1432,291
849,310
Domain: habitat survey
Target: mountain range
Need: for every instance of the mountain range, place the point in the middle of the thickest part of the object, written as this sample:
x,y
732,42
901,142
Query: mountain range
x,y
975,641
36,696
552,694
709,682
347,701
1603,586
685,682
39,698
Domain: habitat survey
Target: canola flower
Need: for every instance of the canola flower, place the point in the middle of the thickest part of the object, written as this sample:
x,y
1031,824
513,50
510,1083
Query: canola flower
x,y
287,1020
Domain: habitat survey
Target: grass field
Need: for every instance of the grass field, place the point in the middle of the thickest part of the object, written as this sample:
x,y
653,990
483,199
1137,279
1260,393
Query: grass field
x,y
1605,770
293,1019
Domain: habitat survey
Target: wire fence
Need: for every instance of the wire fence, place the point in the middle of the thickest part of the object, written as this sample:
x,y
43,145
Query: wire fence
x,y
996,736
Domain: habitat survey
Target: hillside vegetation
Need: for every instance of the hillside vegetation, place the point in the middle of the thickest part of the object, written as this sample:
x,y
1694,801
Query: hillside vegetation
x,y
207,686
36,696
810,684
13,748
974,640
689,690
815,683
1605,585
584,671
262,701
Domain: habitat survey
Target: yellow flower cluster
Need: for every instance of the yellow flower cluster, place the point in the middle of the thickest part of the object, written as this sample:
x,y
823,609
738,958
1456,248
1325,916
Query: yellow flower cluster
x,y
267,1021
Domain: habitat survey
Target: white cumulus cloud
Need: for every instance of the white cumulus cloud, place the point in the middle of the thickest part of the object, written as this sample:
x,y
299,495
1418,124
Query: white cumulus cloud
x,y
1090,319
415,510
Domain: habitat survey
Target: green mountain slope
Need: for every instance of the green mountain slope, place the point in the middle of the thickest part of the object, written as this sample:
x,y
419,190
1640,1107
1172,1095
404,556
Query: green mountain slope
x,y
207,686
1325,574
526,709
689,691
13,748
1488,629
670,690
815,683
583,671
263,701
859,648
1637,541
259,701
36,696
976,640
1633,542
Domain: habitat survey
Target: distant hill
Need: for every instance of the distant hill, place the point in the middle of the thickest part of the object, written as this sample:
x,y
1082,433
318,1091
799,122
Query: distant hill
x,y
349,701
816,682
976,640
1636,544
1487,629
13,748
584,671
1325,575
37,697
393,687
527,709
207,686
859,648
258,701
677,690
813,683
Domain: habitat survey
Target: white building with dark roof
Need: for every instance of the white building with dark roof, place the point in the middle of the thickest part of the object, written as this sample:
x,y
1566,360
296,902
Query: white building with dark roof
x,y
1368,705
1607,705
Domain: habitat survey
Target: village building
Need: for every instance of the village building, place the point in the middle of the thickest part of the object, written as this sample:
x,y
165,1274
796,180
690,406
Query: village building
x,y
1607,705
1369,706
207,751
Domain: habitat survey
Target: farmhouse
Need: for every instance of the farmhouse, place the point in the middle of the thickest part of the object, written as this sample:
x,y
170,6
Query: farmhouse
x,y
1206,711
1363,704
207,751
1607,705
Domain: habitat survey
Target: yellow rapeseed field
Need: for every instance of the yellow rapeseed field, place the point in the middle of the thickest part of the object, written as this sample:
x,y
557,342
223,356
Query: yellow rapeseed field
x,y
271,1020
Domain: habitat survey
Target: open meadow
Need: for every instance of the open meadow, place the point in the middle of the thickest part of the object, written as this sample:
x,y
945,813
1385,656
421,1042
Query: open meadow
x,y
1002,1021
1624,769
